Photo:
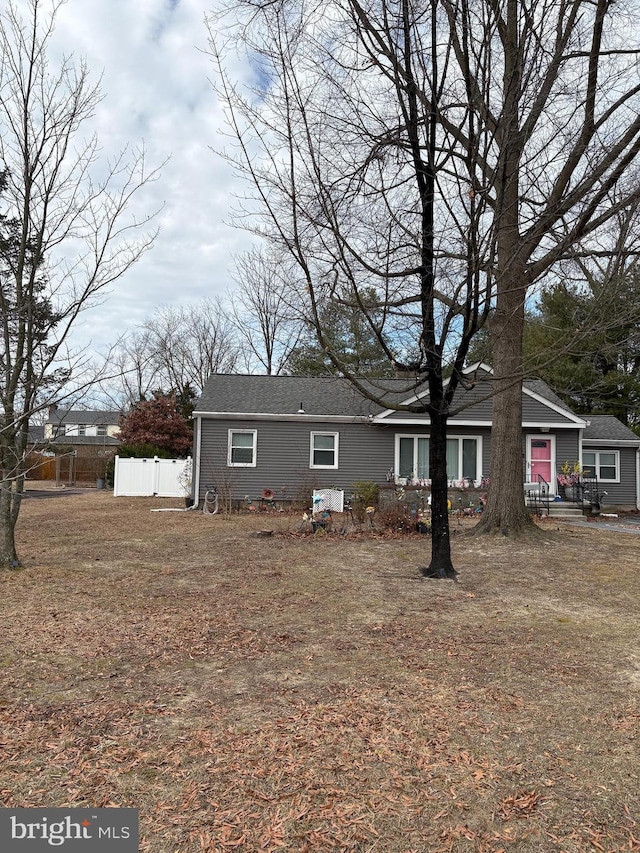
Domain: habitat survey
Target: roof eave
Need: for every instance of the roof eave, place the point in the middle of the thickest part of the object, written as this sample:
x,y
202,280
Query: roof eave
x,y
612,442
278,416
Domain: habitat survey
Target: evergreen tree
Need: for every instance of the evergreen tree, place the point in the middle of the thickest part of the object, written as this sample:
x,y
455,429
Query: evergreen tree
x,y
350,335
585,343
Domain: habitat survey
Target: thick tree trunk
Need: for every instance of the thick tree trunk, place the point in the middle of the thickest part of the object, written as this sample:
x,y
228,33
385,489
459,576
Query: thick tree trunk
x,y
441,565
505,512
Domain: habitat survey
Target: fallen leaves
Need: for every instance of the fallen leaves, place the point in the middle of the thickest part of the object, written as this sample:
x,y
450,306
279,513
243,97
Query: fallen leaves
x,y
519,805
316,695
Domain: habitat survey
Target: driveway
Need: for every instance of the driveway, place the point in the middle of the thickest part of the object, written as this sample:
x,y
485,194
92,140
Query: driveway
x,y
623,524
54,492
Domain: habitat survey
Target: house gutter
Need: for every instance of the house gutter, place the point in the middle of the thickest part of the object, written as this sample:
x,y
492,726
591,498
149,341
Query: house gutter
x,y
271,416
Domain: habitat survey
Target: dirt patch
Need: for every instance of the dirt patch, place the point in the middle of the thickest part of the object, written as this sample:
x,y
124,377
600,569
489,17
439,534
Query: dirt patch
x,y
305,693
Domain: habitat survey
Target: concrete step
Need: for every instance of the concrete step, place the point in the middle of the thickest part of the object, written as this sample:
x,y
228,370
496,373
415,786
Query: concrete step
x,y
559,509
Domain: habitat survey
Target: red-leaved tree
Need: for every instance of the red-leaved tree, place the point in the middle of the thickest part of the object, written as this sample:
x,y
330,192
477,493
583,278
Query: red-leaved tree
x,y
158,422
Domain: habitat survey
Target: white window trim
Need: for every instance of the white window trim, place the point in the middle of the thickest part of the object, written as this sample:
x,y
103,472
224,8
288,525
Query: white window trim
x,y
396,462
414,435
597,454
252,432
336,442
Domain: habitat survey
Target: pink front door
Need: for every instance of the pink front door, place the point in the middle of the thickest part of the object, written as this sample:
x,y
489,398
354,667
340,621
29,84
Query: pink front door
x,y
540,456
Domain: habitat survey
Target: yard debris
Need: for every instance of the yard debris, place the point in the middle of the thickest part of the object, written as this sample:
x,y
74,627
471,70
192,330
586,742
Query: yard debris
x,y
309,696
519,805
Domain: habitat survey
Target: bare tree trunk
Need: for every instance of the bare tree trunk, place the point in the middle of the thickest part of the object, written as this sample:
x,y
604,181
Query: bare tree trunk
x,y
441,565
8,553
65,233
11,482
505,512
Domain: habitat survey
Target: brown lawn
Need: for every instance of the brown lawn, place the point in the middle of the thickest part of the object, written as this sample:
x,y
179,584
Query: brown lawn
x,y
306,693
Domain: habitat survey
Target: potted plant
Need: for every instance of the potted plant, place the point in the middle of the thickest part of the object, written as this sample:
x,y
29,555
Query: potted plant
x,y
569,480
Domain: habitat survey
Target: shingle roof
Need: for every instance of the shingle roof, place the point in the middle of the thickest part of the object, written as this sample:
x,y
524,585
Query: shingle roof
x,y
331,395
83,416
316,395
608,428
538,386
36,433
99,440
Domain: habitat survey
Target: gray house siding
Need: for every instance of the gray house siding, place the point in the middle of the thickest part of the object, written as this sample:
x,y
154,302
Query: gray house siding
x,y
567,447
477,405
623,493
366,452
536,412
283,458
284,411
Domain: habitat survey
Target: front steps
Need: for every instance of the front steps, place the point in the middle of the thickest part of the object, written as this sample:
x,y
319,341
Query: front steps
x,y
557,509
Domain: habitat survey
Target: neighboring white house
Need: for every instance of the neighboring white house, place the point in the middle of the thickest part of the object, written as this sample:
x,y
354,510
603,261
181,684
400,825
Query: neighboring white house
x,y
78,424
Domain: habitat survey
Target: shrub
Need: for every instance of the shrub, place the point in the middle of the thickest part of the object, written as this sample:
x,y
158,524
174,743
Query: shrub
x,y
365,493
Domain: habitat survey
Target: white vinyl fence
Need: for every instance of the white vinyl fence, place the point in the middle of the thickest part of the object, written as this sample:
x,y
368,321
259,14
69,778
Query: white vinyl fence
x,y
150,477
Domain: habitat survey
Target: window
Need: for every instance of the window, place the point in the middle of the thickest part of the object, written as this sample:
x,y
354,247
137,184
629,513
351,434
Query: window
x,y
75,429
242,448
603,464
463,458
413,457
101,429
324,450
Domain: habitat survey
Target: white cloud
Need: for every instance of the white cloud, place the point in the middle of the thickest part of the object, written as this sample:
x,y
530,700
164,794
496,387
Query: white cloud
x,y
155,78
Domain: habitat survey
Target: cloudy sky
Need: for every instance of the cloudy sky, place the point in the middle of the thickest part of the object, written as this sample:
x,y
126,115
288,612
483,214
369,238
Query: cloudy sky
x,y
155,80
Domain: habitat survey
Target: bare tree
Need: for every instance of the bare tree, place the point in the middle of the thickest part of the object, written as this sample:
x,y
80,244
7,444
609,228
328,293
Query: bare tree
x,y
496,131
190,343
133,370
68,231
174,351
268,324
354,157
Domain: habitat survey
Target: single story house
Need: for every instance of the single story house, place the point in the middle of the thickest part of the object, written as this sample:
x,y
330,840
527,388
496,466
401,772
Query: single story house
x,y
287,435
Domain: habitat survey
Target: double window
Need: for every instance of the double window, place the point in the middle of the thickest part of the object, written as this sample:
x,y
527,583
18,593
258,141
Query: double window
x,y
464,458
603,464
242,448
324,450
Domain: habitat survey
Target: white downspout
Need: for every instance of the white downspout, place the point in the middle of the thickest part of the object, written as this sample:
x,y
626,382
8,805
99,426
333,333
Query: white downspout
x,y
196,461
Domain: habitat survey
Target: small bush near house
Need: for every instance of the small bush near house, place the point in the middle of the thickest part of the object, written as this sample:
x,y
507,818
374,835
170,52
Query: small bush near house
x,y
396,517
366,493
